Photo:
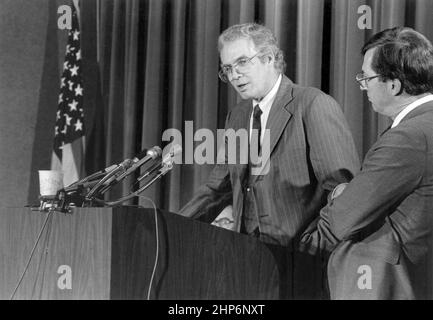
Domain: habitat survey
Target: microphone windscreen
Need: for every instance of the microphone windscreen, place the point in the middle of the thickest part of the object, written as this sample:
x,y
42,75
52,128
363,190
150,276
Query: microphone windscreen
x,y
154,152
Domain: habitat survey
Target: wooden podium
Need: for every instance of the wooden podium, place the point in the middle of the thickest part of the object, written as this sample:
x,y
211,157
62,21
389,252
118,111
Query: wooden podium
x,y
104,253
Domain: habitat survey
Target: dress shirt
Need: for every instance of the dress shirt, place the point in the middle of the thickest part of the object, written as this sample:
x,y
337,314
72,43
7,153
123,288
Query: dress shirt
x,y
411,107
265,105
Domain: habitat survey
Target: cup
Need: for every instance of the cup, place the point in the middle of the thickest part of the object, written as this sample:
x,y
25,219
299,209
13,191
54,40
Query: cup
x,y
50,181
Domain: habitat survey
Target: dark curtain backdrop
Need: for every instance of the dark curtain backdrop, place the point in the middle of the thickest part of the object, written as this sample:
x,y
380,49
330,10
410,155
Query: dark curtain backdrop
x,y
154,65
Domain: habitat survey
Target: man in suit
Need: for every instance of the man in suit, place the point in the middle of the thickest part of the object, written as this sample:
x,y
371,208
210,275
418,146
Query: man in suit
x,y
310,149
379,228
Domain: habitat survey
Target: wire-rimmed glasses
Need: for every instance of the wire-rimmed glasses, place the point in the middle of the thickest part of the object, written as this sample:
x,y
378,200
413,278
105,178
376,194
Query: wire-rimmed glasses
x,y
363,80
241,65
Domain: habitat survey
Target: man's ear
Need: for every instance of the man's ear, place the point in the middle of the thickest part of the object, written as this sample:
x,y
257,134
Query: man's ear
x,y
395,87
269,58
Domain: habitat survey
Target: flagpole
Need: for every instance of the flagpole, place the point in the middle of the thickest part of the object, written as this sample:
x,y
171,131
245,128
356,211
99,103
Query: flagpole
x,y
77,8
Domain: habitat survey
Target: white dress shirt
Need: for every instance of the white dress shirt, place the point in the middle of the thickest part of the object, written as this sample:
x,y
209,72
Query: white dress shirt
x,y
265,105
411,107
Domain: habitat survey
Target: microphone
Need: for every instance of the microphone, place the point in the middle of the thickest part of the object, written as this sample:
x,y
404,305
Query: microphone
x,y
75,193
99,173
82,186
124,165
137,158
140,155
151,154
82,183
93,176
78,192
165,166
166,161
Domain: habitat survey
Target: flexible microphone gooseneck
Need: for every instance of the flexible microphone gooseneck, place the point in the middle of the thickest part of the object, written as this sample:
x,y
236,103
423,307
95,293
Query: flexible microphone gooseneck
x,y
120,168
164,166
151,154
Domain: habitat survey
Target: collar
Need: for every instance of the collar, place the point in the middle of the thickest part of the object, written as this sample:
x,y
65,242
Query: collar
x,y
264,103
411,107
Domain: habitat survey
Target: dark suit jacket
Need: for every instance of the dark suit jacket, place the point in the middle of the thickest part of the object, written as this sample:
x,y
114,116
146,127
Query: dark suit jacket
x,y
311,151
380,227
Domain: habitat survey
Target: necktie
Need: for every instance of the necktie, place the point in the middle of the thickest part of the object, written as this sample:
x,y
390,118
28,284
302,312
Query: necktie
x,y
250,221
257,128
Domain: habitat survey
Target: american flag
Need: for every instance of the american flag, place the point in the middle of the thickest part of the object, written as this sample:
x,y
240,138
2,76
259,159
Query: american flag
x,y
68,151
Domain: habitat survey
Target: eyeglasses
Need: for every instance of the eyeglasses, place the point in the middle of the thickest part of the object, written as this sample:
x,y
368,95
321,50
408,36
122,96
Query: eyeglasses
x,y
363,80
241,66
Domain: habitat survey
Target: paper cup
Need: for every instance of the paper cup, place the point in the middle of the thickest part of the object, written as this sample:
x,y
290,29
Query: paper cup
x,y
50,181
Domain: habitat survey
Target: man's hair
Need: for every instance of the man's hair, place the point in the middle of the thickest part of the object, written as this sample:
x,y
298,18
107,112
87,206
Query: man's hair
x,y
404,54
262,37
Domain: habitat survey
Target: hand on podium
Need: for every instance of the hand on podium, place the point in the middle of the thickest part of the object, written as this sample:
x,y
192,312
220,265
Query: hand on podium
x,y
225,219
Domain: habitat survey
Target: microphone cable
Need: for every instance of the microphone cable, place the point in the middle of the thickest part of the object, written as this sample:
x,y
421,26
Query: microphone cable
x,y
157,245
132,194
155,264
49,214
122,166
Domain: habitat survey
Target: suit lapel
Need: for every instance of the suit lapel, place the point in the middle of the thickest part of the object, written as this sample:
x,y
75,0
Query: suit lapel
x,y
280,114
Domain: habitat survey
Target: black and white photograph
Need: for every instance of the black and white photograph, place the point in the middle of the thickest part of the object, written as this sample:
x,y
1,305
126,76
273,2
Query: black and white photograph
x,y
216,155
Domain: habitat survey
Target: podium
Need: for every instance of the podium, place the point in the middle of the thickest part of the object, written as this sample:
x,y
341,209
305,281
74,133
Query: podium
x,y
109,253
